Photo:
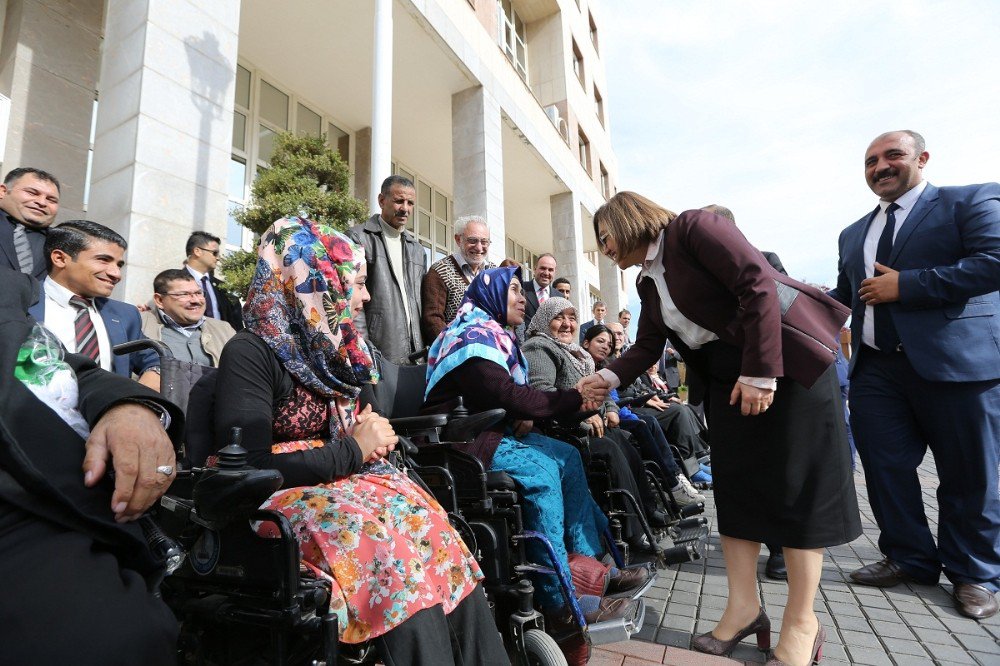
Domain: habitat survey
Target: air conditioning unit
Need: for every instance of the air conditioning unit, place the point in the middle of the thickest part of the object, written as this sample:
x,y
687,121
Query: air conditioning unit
x,y
552,111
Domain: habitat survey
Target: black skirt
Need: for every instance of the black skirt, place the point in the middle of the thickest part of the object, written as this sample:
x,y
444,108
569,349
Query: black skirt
x,y
783,477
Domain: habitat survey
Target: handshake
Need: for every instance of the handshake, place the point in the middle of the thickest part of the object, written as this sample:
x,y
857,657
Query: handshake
x,y
594,391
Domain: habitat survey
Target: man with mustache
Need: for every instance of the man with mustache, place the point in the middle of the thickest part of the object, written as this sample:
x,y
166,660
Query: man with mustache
x,y
921,274
29,201
85,262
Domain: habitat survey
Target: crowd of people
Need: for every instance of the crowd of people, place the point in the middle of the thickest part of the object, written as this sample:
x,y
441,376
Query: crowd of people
x,y
766,426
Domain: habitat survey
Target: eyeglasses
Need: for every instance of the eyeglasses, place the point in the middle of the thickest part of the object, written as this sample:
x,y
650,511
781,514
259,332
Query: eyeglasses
x,y
215,253
185,295
602,240
485,242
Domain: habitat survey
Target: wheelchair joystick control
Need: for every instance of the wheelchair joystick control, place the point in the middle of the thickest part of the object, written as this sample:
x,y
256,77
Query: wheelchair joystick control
x,y
460,411
233,456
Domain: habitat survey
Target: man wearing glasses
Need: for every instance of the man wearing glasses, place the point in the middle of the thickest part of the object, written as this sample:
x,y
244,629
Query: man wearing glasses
x,y
202,251
179,320
444,285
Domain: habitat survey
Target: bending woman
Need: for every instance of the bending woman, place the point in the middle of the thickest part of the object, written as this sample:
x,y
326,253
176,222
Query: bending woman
x,y
477,357
400,574
759,342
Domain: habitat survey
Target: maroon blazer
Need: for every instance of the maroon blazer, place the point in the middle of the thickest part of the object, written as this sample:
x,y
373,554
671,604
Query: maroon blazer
x,y
724,284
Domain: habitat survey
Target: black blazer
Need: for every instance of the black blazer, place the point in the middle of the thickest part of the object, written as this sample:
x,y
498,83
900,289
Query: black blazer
x,y
531,300
8,255
41,457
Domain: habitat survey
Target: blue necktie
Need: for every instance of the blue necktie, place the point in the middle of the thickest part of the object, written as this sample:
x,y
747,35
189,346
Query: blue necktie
x,y
886,338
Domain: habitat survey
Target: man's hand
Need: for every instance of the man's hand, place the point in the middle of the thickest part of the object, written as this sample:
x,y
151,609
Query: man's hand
x,y
596,424
612,420
752,400
594,390
132,437
522,428
883,288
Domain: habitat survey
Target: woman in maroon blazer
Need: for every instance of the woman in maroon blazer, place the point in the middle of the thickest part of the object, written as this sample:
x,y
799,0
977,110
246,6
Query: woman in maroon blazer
x,y
759,343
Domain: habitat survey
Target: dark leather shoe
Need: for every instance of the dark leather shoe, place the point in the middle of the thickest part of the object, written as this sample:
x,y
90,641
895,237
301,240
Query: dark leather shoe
x,y
709,644
775,568
975,601
880,574
628,580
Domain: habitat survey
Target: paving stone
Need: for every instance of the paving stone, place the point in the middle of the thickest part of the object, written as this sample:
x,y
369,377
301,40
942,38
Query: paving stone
x,y
936,637
684,598
677,622
980,644
713,614
955,653
851,623
883,614
674,637
904,646
924,621
687,586
838,609
649,651
681,610
860,639
869,656
987,658
601,657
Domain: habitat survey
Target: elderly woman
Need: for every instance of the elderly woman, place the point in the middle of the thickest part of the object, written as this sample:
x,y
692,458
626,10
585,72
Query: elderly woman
x,y
399,572
556,361
760,343
477,357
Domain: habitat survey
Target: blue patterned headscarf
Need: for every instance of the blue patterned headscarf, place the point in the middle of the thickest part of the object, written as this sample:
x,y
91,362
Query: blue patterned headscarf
x,y
479,330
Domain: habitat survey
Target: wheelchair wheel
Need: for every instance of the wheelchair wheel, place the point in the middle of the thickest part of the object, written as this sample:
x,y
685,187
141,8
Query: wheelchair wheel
x,y
542,649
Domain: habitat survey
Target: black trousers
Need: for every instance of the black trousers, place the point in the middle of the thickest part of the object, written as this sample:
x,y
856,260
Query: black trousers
x,y
681,426
65,600
470,629
627,473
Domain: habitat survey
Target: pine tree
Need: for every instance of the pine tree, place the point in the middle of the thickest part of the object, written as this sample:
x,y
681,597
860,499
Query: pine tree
x,y
306,177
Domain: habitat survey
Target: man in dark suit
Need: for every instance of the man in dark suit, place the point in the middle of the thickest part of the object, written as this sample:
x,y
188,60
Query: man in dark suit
x,y
84,263
599,311
539,288
29,201
65,526
202,251
920,273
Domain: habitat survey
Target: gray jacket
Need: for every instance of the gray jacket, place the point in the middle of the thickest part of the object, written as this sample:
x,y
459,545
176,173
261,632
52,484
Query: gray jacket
x,y
384,319
550,368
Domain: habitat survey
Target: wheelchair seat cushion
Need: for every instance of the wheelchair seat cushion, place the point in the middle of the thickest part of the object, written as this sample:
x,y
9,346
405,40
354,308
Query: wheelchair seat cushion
x,y
500,481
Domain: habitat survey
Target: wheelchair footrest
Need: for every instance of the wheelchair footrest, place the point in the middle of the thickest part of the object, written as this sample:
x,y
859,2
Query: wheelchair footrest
x,y
619,629
689,530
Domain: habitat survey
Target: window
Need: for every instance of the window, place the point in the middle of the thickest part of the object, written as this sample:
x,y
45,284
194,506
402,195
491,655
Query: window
x,y
308,122
578,64
523,256
605,182
339,139
431,221
599,105
593,30
584,149
512,37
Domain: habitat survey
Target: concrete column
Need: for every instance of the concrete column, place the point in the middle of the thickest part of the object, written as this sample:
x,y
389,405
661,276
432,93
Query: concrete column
x,y
568,248
363,166
477,162
49,62
381,137
164,128
610,286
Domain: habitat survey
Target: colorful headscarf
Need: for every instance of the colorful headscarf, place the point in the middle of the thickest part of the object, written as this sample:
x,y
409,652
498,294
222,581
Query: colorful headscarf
x,y
547,311
479,330
299,304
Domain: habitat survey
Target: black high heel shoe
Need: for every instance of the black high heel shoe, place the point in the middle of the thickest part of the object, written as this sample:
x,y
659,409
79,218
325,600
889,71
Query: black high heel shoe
x,y
709,644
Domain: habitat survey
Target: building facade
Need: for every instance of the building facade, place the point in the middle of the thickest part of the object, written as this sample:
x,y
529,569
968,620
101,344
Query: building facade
x,y
157,114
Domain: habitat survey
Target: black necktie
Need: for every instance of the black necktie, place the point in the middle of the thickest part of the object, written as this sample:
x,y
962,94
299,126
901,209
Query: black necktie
x,y
210,310
886,338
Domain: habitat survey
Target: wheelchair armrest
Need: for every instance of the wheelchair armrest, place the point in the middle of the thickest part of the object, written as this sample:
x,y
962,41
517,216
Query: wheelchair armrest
x,y
223,496
415,425
574,420
145,343
466,428
407,445
636,400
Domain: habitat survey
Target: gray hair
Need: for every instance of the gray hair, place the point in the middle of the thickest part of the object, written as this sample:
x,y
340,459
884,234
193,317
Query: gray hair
x,y
462,222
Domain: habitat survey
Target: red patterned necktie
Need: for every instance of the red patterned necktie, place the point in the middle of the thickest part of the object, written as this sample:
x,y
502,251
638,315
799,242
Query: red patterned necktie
x,y
86,335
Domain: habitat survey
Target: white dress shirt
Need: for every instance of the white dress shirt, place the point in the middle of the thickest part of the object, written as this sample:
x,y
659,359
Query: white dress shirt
x,y
214,312
60,318
394,250
905,203
693,335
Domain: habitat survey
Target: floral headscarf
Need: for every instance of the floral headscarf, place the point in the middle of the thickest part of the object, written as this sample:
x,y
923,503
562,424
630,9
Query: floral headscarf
x,y
479,330
299,304
548,311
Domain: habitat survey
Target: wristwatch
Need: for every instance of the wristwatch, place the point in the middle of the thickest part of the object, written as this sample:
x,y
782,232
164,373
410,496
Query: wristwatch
x,y
155,407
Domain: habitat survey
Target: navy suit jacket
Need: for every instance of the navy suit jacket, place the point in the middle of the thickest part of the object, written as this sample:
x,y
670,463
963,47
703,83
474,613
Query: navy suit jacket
x,y
948,257
123,325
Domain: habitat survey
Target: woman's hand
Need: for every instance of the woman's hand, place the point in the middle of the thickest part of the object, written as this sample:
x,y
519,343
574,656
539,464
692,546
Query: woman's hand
x,y
612,419
374,435
752,400
657,404
594,390
522,428
596,424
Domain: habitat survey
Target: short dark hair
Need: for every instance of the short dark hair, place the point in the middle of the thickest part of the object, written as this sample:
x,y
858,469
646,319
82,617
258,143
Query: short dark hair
x,y
163,280
918,140
596,303
624,311
559,281
76,235
15,174
596,330
198,239
402,181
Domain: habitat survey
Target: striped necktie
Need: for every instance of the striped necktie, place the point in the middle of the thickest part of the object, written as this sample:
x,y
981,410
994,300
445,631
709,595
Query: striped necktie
x,y
22,247
86,335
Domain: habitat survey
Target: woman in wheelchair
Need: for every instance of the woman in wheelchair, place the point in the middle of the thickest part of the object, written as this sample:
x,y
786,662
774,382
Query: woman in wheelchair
x,y
556,361
599,342
477,357
400,574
